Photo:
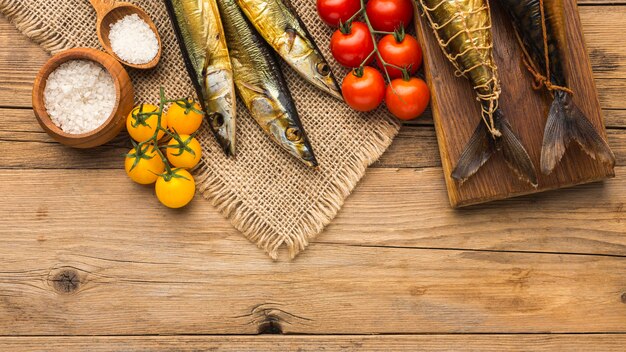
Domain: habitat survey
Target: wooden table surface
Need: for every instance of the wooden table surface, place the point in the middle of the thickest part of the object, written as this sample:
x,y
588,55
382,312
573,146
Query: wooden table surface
x,y
90,261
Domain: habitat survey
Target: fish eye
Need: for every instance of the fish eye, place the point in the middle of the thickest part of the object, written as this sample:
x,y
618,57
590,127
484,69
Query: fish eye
x,y
293,134
323,69
217,120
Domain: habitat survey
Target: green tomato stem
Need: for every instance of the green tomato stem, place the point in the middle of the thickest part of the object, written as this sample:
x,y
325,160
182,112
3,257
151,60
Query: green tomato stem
x,y
154,139
376,51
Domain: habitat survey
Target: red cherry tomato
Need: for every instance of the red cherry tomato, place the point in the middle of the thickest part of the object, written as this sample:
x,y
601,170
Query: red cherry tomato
x,y
406,53
335,11
364,92
408,99
352,48
387,15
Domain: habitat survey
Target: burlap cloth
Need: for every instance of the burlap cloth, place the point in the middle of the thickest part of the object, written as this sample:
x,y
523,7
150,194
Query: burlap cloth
x,y
267,194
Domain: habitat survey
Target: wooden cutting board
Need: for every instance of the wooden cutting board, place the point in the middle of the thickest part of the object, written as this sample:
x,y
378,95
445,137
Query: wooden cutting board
x,y
456,113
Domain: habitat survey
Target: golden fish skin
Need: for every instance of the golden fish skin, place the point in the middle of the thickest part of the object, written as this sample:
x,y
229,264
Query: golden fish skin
x,y
468,40
279,25
463,31
201,36
261,85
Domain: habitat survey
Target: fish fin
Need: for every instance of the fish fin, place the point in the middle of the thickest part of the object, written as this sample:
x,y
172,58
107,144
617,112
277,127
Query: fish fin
x,y
477,152
291,37
566,122
482,146
254,88
516,156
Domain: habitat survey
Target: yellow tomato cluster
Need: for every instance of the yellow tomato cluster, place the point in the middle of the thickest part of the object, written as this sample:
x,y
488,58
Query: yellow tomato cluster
x,y
147,164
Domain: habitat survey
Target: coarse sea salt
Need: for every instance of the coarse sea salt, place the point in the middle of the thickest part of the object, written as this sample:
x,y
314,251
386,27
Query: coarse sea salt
x,y
133,40
79,96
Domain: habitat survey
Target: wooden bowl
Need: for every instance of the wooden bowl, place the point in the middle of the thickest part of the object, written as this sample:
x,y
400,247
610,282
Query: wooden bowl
x,y
123,102
109,12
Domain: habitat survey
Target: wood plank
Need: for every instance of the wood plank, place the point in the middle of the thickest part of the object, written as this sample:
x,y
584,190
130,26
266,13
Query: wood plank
x,y
25,145
588,219
456,117
17,74
583,219
416,147
599,23
431,343
73,264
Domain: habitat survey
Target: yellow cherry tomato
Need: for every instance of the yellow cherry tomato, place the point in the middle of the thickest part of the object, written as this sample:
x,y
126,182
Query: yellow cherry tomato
x,y
178,152
141,128
177,190
184,119
145,166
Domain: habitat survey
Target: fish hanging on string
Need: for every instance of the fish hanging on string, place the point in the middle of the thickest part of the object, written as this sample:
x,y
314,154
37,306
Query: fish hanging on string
x,y
463,30
540,29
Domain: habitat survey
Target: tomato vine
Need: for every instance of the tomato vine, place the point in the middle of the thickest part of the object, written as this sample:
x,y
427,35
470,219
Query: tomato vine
x,y
142,149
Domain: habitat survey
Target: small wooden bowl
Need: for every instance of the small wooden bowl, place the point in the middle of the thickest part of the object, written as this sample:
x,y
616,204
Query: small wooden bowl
x,y
123,102
109,12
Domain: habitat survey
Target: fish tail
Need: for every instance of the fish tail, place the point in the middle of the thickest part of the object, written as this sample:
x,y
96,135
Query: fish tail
x,y
482,146
516,156
478,151
566,122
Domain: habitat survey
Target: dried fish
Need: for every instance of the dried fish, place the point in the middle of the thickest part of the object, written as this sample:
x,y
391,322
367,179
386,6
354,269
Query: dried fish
x,y
540,26
281,27
200,34
463,30
261,85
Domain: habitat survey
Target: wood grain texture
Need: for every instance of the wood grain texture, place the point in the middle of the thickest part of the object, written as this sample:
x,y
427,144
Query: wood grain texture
x,y
432,343
414,147
77,266
396,260
587,220
456,114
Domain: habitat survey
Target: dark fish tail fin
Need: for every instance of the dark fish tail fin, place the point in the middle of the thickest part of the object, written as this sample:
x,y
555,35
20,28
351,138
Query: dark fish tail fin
x,y
478,151
482,146
516,156
566,123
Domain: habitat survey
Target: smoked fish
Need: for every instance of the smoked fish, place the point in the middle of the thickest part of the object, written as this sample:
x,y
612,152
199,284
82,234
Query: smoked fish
x,y
279,24
463,30
198,26
261,85
540,25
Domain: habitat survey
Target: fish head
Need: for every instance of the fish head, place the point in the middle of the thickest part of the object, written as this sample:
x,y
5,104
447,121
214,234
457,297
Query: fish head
x,y
323,77
224,129
280,125
221,104
296,142
307,60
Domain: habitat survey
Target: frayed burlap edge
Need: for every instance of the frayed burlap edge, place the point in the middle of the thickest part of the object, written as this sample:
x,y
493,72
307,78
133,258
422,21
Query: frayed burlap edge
x,y
31,26
321,213
245,220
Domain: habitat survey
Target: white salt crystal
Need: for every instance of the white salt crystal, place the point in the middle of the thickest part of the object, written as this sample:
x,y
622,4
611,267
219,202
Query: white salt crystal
x,y
79,96
133,40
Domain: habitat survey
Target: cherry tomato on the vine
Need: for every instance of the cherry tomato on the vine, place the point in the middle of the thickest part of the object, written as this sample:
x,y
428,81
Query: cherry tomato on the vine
x,y
175,190
179,154
145,166
405,53
388,15
184,116
352,45
364,89
141,123
334,12
407,99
